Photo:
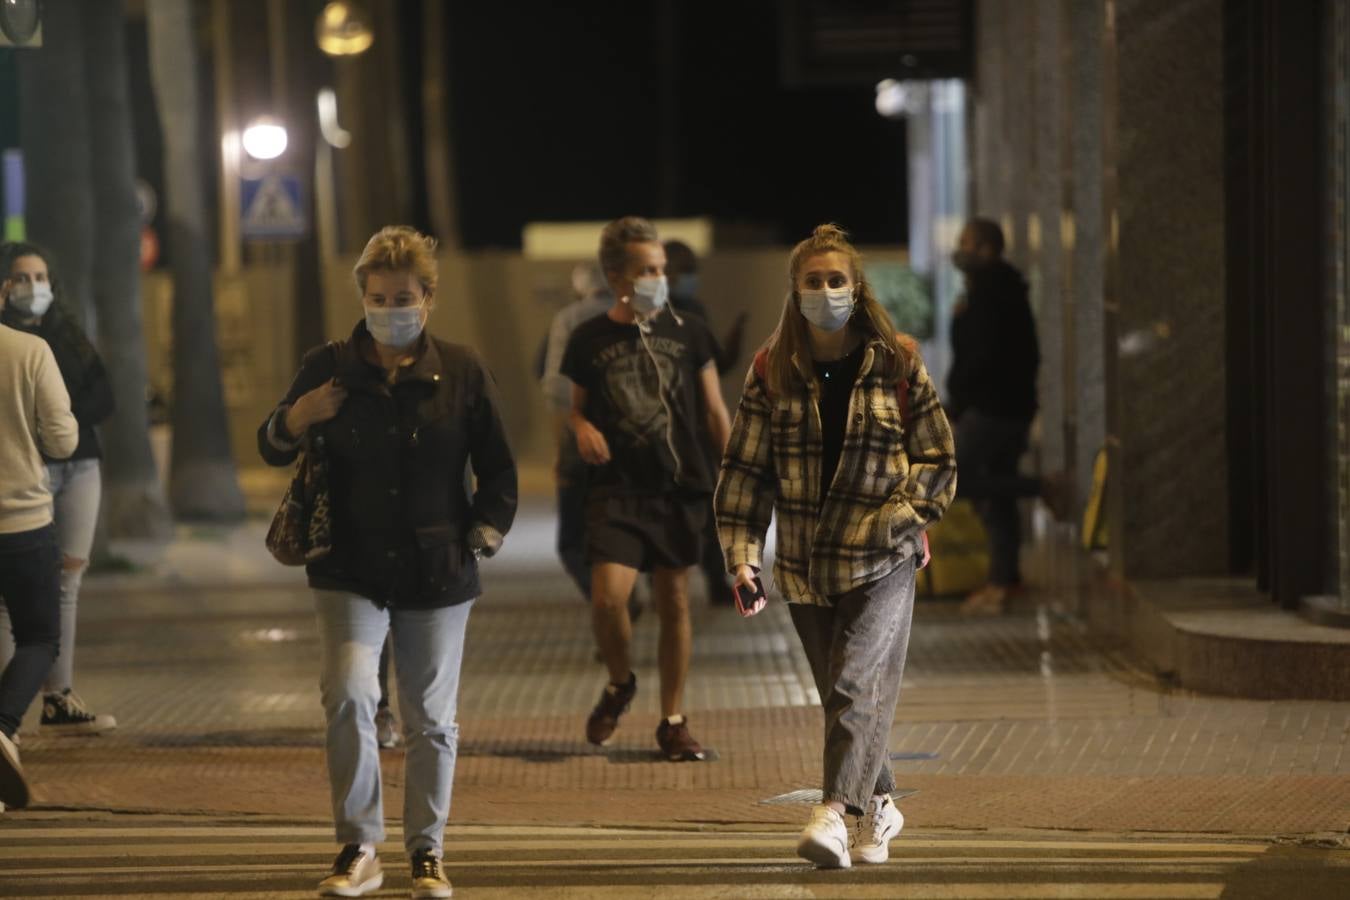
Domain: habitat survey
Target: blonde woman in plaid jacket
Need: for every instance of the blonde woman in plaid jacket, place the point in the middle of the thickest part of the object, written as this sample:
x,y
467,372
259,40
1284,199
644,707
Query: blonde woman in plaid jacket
x,y
839,431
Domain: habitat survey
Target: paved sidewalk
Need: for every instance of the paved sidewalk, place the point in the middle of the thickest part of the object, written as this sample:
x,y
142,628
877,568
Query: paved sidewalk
x,y
209,661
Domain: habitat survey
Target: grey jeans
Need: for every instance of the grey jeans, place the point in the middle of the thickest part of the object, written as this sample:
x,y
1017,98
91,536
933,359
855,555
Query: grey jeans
x,y
428,646
857,650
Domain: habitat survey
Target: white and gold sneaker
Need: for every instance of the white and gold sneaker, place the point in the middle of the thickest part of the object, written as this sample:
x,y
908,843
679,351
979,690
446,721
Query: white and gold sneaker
x,y
356,872
13,784
429,881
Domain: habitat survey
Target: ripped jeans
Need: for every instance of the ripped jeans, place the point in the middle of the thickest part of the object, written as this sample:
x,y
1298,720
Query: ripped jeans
x,y
428,645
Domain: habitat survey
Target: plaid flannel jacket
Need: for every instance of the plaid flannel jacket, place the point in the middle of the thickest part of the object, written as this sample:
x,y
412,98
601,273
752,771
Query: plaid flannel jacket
x,y
893,481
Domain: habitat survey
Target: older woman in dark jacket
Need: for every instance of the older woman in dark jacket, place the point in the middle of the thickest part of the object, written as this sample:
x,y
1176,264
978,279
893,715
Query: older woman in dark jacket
x,y
399,415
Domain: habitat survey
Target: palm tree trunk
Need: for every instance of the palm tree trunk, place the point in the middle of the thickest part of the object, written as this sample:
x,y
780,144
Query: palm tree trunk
x,y
134,498
438,159
82,184
203,484
56,152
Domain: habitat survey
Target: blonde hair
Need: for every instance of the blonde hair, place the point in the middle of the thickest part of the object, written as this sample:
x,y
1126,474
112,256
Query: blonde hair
x,y
616,237
790,338
399,248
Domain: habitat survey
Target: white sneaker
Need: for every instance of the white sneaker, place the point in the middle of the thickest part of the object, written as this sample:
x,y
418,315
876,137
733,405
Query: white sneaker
x,y
13,786
824,841
356,872
386,728
876,829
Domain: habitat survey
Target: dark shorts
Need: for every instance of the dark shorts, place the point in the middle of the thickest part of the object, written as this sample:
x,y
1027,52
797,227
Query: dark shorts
x,y
646,531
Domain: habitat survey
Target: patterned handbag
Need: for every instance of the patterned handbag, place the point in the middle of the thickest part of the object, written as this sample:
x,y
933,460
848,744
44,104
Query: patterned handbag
x,y
302,529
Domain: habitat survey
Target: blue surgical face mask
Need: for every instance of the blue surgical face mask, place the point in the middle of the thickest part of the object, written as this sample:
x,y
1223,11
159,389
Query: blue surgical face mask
x,y
30,298
395,326
650,294
828,310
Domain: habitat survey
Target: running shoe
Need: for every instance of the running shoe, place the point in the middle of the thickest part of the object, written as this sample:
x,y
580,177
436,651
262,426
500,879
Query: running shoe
x,y
614,702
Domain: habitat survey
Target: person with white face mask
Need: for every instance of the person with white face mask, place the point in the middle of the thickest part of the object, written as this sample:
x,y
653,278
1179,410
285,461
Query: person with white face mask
x,y
839,431
643,379
31,306
593,299
399,416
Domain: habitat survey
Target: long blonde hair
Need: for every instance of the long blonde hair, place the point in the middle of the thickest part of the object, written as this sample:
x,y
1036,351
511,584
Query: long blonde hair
x,y
791,339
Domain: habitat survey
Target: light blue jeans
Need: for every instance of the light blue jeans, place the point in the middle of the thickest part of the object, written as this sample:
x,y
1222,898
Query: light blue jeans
x,y
428,649
77,487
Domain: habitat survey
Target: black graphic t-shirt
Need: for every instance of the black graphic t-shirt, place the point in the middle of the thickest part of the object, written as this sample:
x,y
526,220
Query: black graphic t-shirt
x,y
643,393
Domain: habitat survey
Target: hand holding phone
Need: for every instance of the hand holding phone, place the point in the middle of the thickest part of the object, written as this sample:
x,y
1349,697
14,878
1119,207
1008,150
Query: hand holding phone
x,y
749,591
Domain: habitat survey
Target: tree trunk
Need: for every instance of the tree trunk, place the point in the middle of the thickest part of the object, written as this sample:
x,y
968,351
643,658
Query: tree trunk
x,y
134,497
56,153
81,183
437,155
203,484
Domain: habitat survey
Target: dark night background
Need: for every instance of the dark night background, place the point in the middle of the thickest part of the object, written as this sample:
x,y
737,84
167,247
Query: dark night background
x,y
556,112
560,112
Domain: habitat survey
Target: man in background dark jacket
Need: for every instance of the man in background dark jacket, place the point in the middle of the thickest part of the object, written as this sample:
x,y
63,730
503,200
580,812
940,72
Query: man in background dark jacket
x,y
992,400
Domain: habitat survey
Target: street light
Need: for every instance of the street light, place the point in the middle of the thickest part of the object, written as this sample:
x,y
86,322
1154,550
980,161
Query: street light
x,y
265,138
897,99
343,30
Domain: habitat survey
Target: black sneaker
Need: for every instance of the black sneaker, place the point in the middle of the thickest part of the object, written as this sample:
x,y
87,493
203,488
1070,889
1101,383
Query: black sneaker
x,y
614,701
66,713
429,880
356,872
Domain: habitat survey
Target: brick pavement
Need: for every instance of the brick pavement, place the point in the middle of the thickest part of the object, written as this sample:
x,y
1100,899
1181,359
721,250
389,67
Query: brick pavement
x,y
1027,722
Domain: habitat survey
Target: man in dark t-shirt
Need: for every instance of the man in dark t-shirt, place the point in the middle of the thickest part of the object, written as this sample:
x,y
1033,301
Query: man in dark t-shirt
x,y
645,387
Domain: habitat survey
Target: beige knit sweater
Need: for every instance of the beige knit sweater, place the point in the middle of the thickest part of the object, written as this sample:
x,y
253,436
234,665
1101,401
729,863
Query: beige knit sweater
x,y
35,418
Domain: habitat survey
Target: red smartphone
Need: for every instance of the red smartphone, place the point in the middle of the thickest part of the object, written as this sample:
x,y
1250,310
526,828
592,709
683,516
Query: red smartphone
x,y
746,599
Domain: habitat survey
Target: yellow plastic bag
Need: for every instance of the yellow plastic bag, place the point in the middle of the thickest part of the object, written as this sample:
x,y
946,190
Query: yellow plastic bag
x,y
960,549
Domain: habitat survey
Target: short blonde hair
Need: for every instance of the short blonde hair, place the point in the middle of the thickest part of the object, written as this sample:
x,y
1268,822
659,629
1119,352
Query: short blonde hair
x,y
399,248
616,237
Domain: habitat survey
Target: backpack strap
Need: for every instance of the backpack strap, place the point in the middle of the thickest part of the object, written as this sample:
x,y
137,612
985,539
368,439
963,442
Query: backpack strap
x,y
910,346
762,371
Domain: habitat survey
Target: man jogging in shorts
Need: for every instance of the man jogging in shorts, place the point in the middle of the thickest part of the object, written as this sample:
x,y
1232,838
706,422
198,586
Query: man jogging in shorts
x,y
644,378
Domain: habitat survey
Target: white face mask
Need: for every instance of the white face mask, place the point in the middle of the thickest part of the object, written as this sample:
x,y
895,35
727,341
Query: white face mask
x,y
395,326
649,294
30,298
828,310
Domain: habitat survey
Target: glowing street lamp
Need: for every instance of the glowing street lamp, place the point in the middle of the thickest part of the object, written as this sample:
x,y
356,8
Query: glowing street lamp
x,y
265,138
343,30
897,99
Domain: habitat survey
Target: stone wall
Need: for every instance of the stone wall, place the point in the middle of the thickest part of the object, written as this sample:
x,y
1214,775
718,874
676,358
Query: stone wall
x,y
1170,115
1039,165
1338,237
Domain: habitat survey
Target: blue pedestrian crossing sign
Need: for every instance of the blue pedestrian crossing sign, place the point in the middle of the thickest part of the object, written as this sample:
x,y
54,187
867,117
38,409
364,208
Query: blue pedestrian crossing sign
x,y
272,208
